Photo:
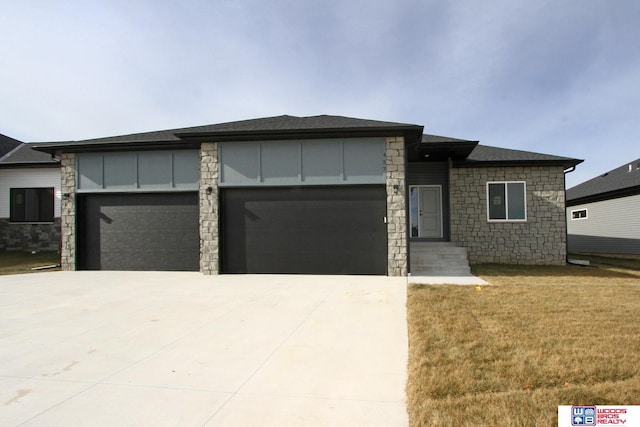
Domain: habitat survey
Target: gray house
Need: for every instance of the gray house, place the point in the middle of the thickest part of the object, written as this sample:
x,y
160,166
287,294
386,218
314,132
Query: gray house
x,y
29,199
322,194
602,213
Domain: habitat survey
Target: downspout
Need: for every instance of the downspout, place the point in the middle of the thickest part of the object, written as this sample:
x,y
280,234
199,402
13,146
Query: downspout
x,y
566,221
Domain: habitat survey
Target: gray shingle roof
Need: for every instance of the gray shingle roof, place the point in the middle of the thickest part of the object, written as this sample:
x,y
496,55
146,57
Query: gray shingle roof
x,y
431,139
23,155
485,153
267,124
7,144
616,182
318,126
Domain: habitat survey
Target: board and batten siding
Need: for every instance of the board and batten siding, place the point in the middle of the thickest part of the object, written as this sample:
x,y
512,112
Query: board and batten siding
x,y
611,226
138,171
28,178
348,161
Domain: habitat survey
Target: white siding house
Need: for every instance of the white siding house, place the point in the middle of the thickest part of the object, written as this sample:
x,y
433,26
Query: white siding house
x,y
28,178
602,213
29,201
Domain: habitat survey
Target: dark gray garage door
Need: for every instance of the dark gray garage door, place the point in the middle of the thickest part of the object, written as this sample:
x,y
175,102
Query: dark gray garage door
x,y
313,230
138,231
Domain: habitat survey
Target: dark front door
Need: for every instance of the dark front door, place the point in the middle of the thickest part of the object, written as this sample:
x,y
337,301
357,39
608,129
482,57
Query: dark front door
x,y
151,231
312,230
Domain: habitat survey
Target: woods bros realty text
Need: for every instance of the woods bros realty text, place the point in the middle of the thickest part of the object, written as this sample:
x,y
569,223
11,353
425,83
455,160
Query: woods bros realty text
x,y
594,415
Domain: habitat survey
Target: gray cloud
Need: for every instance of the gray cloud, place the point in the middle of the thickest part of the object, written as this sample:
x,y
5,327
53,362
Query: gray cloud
x,y
556,77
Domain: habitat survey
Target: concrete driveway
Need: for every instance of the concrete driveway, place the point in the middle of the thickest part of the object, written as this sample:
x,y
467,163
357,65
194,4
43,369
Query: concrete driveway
x,y
183,349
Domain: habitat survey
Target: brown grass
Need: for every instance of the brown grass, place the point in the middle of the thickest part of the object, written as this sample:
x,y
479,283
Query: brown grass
x,y
16,262
509,354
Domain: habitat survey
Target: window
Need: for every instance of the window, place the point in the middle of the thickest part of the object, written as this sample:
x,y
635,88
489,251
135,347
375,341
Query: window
x,y
506,201
31,204
579,214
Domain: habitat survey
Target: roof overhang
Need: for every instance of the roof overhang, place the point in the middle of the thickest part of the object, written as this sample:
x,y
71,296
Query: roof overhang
x,y
565,163
29,165
410,133
188,140
56,148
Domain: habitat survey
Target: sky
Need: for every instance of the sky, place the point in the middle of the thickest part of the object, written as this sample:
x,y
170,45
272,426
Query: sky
x,y
558,77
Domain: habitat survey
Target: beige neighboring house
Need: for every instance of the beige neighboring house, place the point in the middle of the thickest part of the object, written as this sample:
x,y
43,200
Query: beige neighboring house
x,y
306,195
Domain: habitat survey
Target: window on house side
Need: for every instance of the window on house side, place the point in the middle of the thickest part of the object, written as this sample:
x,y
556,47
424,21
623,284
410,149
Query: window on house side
x,y
506,201
579,214
31,205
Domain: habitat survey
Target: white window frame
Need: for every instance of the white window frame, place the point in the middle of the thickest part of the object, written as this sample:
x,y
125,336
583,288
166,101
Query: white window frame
x,y
586,214
506,201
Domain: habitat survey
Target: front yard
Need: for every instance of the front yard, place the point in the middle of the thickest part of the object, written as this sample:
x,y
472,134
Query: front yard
x,y
509,354
16,262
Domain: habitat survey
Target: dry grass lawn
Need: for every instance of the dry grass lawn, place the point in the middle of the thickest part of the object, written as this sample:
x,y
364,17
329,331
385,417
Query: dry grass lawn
x,y
509,354
16,262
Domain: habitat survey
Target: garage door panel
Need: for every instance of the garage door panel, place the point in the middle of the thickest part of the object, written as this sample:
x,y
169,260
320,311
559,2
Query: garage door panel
x,y
324,230
155,231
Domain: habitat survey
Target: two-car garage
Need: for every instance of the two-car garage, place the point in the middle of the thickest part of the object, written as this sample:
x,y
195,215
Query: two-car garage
x,y
313,230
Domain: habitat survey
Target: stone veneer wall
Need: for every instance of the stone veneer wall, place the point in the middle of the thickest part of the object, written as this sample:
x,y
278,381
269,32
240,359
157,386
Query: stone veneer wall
x,y
396,208
29,237
209,245
68,211
539,240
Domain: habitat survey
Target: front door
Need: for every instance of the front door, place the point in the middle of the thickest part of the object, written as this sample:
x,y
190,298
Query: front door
x,y
426,211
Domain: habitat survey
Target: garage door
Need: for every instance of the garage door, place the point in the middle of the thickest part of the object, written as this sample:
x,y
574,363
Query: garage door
x,y
313,230
138,231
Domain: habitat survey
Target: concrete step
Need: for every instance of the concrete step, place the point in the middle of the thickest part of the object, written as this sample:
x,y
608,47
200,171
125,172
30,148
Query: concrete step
x,y
438,256
449,253
441,272
424,266
438,259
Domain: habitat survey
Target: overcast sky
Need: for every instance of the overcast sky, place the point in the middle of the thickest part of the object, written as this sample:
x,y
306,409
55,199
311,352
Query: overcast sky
x,y
559,77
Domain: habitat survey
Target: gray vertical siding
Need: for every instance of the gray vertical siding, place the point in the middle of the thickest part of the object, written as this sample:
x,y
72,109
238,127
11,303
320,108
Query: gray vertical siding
x,y
433,173
611,226
345,161
138,171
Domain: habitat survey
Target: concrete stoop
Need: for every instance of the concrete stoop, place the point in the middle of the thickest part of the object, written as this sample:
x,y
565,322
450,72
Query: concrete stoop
x,y
438,259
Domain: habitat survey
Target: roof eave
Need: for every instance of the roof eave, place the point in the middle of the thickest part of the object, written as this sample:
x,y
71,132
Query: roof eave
x,y
565,163
29,165
456,150
407,131
76,147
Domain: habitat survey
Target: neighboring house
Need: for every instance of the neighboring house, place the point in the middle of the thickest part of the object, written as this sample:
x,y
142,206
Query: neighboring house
x,y
602,213
322,194
29,200
7,144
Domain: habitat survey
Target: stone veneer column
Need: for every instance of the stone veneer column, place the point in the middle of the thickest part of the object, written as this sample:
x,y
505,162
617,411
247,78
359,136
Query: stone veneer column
x,y
396,208
68,212
209,245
